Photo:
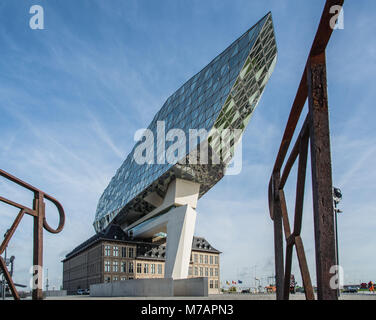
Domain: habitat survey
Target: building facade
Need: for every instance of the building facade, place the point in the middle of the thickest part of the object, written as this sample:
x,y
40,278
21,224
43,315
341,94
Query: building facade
x,y
222,96
112,256
157,187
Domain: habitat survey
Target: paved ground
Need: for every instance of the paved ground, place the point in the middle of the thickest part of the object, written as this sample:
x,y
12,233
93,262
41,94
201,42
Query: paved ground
x,y
297,296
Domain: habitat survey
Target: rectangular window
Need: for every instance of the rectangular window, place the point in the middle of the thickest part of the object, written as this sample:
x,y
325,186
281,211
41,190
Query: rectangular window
x,y
190,271
115,278
196,257
211,259
211,272
196,271
201,258
107,251
130,252
130,267
216,272
206,259
124,252
216,259
107,279
159,269
211,284
216,284
201,271
107,266
130,278
146,268
115,266
152,269
206,272
139,267
116,251
124,266
123,278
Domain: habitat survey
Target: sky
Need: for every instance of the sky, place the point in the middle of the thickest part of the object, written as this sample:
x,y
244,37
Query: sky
x,y
74,94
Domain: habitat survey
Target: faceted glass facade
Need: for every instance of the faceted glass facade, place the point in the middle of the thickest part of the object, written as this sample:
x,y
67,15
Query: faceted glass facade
x,y
221,96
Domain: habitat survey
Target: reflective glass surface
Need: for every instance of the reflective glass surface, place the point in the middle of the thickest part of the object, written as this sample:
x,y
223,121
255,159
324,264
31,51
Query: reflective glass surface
x,y
222,95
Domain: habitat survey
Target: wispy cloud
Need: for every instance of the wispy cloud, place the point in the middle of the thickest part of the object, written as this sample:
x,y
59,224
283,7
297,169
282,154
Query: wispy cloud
x,y
103,135
74,94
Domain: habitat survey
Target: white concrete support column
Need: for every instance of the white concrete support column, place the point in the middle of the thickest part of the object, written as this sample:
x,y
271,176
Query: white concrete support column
x,y
180,230
178,222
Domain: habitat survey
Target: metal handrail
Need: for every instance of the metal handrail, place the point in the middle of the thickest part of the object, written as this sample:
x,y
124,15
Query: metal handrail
x,y
40,223
316,131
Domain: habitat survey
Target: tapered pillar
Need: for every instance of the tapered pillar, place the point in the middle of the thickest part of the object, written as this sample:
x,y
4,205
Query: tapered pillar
x,y
39,207
178,222
278,239
321,176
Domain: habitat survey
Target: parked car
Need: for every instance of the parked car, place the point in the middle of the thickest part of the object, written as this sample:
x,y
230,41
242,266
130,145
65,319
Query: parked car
x,y
87,291
350,289
246,291
299,289
80,291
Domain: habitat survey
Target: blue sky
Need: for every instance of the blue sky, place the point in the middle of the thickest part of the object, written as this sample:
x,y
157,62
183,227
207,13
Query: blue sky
x,y
73,94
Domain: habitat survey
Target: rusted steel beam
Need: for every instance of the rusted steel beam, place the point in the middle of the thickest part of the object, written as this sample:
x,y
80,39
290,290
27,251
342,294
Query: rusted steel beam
x,y
312,86
39,206
296,110
11,231
286,281
9,280
19,206
294,154
285,216
40,223
303,151
321,176
14,179
319,45
324,31
36,192
278,240
304,271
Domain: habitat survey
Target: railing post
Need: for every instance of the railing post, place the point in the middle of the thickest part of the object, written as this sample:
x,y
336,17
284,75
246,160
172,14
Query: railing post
x,y
321,175
278,238
39,207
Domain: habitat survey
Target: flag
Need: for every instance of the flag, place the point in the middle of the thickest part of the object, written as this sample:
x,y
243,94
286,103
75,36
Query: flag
x,y
239,281
233,282
227,282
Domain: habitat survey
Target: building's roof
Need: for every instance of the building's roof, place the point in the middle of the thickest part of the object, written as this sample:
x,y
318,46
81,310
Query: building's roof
x,y
113,233
151,252
223,95
145,249
201,244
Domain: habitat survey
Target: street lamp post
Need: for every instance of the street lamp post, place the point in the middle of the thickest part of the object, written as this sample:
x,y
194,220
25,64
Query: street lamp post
x,y
337,197
3,287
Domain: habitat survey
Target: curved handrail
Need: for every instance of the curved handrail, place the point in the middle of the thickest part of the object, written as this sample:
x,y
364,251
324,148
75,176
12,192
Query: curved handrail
x,y
61,216
36,192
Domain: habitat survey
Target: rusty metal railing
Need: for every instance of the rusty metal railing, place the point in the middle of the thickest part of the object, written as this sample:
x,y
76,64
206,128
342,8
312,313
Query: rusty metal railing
x,y
38,213
315,130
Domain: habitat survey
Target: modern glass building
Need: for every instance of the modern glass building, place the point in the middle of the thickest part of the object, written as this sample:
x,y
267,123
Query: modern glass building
x,y
223,95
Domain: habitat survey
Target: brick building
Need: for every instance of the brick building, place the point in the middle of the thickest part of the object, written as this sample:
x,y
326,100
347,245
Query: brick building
x,y
112,256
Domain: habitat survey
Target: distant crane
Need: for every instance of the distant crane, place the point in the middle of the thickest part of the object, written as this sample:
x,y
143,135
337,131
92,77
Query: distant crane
x,y
3,284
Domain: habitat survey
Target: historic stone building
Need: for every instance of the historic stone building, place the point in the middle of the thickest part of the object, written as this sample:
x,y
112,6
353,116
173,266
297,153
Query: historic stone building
x,y
113,256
